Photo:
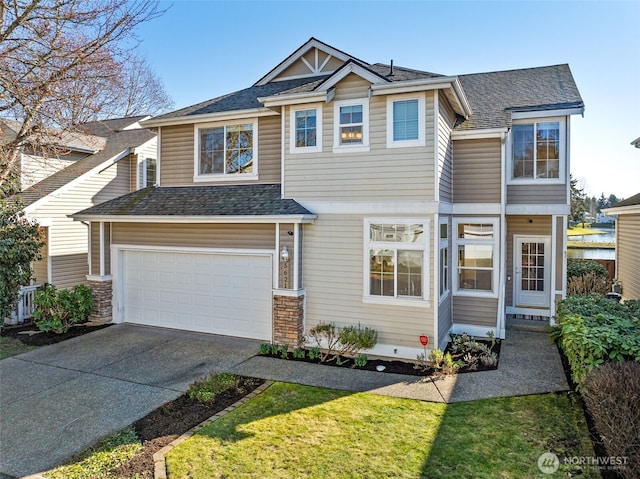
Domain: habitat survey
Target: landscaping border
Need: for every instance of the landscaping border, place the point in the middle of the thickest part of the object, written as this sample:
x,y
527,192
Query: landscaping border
x,y
160,465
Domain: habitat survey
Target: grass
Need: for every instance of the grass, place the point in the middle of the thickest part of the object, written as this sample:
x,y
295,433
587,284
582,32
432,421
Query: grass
x,y
11,346
300,431
207,389
579,230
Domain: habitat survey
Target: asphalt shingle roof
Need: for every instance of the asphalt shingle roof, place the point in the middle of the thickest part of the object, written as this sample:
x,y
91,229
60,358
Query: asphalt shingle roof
x,y
231,200
633,201
494,96
109,126
116,144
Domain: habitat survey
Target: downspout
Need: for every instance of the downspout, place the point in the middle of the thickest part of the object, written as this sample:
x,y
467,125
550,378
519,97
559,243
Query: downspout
x,y
502,285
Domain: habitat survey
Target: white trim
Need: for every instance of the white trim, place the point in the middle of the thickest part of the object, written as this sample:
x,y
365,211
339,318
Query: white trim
x,y
283,121
198,219
296,255
293,149
622,210
436,147
357,147
66,187
520,115
529,311
420,141
343,71
442,244
102,279
223,116
276,259
101,242
368,244
158,156
398,207
294,99
478,134
476,209
497,261
289,292
538,209
549,272
89,249
214,177
473,330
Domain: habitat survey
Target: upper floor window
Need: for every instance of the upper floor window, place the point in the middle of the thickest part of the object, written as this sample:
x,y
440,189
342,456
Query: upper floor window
x,y
395,254
147,173
537,151
443,248
306,130
226,150
351,124
476,243
405,121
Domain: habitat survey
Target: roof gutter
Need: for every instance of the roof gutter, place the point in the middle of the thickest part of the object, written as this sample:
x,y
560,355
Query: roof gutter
x,y
208,117
293,99
308,218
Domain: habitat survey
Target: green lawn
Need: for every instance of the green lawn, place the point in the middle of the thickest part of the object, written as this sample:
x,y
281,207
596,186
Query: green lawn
x,y
300,431
11,346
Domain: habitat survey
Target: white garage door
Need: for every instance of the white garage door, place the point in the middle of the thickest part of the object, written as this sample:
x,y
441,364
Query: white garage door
x,y
213,293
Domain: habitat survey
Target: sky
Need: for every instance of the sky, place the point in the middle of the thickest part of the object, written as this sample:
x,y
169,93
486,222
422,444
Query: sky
x,y
203,49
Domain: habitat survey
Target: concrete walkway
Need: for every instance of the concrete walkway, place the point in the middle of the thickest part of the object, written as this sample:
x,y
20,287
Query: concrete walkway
x,y
58,400
529,364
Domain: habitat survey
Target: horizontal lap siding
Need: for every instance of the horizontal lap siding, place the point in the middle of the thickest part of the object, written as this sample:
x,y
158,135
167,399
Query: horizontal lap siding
x,y
475,311
446,117
537,194
177,160
445,320
476,171
41,267
628,257
232,236
69,270
333,266
520,225
380,173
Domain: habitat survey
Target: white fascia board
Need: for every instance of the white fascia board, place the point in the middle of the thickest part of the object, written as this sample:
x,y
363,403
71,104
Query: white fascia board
x,y
356,69
293,99
138,149
209,117
54,194
476,208
417,207
622,210
523,209
479,134
522,115
196,219
461,97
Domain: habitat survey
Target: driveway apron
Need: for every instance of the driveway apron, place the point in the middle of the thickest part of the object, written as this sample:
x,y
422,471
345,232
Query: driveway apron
x,y
57,400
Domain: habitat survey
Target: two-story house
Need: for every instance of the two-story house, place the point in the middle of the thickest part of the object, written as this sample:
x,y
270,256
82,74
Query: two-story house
x,y
335,190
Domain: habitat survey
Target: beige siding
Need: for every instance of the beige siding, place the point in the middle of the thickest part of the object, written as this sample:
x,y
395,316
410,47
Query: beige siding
x,y
445,320
35,168
522,225
286,269
475,311
381,173
446,119
177,154
67,238
476,171
560,264
333,265
41,267
250,236
627,255
536,194
95,248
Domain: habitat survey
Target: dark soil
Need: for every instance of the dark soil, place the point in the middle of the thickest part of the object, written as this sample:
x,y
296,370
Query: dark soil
x,y
30,335
395,366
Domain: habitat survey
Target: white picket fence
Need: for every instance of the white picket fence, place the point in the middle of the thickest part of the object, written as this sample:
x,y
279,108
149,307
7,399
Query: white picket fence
x,y
26,305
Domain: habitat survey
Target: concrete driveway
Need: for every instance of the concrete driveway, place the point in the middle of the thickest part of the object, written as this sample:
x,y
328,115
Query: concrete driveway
x,y
57,400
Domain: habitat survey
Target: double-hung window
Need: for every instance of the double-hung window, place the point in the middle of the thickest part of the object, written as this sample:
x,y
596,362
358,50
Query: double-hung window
x,y
476,245
537,151
306,129
443,249
405,121
351,125
226,151
147,173
395,259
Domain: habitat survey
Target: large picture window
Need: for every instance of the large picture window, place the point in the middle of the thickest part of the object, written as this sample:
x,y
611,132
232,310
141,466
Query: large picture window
x,y
395,259
536,150
226,150
476,245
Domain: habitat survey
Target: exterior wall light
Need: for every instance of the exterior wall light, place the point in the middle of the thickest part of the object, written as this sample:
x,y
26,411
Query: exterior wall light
x,y
284,254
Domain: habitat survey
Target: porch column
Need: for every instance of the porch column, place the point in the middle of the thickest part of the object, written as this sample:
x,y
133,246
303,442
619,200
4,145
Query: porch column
x,y
288,317
99,278
102,297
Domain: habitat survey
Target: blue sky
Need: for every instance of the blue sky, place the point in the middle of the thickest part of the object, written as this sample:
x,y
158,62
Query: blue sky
x,y
202,49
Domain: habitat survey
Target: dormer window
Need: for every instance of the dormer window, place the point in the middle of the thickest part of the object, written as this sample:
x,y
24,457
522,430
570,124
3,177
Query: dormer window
x,y
537,151
351,120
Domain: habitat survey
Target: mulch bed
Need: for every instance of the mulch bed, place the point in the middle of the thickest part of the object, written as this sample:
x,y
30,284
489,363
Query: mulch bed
x,y
395,366
30,335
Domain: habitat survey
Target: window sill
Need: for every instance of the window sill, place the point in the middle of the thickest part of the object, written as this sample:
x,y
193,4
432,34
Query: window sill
x,y
406,144
308,149
538,181
215,178
407,302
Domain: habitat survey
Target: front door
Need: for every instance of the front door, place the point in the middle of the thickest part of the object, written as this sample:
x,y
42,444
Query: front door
x,y
532,263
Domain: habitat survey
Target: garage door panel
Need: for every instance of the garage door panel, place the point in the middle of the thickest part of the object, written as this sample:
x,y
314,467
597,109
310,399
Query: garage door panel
x,y
216,293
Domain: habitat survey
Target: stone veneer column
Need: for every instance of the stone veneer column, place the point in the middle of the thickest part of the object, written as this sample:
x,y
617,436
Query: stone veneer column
x,y
288,319
102,297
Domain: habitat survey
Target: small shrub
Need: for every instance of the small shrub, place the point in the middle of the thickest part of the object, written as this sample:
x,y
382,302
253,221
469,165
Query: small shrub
x,y
314,353
436,356
264,349
611,394
275,348
449,366
360,361
581,267
471,361
346,341
489,360
587,284
325,335
206,390
299,353
340,361
284,350
57,310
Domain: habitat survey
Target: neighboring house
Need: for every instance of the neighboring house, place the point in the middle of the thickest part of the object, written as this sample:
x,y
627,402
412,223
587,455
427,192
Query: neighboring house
x,y
628,242
334,190
117,168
